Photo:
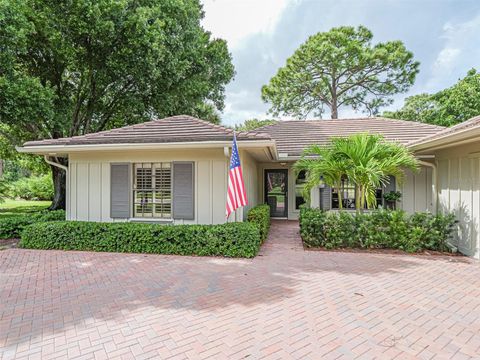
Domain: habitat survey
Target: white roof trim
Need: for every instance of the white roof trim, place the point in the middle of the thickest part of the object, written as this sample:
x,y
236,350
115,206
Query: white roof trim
x,y
65,149
450,139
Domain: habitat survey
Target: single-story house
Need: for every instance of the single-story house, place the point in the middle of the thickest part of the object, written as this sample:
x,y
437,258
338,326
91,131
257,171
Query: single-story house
x,y
174,170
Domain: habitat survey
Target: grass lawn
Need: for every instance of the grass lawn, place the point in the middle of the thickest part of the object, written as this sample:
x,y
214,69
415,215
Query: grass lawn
x,y
15,207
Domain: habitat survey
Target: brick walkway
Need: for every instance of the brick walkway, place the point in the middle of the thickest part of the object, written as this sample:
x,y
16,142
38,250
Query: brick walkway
x,y
285,304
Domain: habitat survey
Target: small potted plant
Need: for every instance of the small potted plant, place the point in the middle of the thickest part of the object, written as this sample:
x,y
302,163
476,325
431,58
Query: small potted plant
x,y
391,199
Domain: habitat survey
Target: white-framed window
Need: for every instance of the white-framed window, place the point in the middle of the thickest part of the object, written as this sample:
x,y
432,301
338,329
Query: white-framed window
x,y
152,190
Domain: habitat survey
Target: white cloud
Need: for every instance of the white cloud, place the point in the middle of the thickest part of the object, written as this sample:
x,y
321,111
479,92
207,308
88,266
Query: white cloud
x,y
446,59
243,105
235,20
461,48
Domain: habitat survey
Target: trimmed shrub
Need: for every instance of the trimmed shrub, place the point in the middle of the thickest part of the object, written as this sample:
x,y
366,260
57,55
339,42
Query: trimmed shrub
x,y
11,227
230,240
380,229
260,215
32,188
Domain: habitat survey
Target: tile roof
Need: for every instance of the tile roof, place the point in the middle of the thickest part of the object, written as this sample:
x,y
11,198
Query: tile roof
x,y
181,128
446,132
292,136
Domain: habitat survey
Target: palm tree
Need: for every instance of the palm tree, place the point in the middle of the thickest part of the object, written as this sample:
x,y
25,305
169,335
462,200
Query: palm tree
x,y
322,165
365,159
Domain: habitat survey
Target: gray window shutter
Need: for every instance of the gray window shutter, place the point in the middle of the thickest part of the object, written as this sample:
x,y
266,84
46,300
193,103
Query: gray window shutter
x,y
326,198
120,190
391,186
183,194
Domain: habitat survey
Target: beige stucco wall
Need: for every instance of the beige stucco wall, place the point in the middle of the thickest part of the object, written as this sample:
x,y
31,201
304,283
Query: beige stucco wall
x,y
88,188
458,177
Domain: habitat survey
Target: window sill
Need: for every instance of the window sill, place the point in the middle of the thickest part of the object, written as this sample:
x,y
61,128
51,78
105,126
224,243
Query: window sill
x,y
151,220
351,210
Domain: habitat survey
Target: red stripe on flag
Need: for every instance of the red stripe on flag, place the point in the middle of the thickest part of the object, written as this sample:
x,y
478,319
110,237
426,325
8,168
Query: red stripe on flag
x,y
242,186
236,192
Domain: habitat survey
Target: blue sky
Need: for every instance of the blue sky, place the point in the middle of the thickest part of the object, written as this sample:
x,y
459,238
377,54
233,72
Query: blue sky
x,y
444,36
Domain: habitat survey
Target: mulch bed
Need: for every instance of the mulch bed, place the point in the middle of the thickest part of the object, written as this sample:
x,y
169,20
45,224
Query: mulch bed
x,y
8,243
424,253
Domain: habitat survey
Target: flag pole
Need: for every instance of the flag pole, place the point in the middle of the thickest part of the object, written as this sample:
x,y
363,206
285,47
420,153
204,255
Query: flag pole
x,y
236,192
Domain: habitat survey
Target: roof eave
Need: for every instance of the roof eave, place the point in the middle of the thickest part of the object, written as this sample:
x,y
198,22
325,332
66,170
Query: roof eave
x,y
65,149
448,140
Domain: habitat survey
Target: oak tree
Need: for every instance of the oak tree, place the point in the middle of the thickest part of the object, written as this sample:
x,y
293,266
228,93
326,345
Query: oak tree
x,y
75,67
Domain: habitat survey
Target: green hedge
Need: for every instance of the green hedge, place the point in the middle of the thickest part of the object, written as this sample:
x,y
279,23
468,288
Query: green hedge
x,y
392,229
32,188
12,226
231,240
260,215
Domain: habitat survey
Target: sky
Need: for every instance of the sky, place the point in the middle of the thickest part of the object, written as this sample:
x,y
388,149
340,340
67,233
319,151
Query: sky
x,y
444,35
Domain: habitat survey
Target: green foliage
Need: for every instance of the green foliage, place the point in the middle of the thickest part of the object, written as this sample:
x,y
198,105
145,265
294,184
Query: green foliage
x,y
392,196
32,188
12,226
260,215
448,107
379,229
230,240
253,124
12,207
208,112
338,68
17,165
366,159
3,190
75,67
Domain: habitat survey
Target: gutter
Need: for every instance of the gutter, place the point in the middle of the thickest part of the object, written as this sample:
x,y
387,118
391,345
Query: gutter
x,y
63,149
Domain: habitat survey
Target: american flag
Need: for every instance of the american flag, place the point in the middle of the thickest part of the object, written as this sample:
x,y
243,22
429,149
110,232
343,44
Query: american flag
x,y
236,195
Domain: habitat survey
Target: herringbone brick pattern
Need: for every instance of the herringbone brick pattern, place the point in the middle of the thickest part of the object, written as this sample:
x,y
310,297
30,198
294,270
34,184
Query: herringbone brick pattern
x,y
285,304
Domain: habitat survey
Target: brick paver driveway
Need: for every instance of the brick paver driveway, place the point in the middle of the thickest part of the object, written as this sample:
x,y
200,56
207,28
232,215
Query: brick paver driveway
x,y
286,303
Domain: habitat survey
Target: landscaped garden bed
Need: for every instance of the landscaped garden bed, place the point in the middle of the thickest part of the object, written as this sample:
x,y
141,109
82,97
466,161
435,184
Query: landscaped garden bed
x,y
12,226
230,240
377,229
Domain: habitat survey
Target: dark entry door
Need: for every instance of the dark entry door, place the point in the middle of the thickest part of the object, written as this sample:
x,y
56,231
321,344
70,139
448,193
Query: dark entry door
x,y
276,192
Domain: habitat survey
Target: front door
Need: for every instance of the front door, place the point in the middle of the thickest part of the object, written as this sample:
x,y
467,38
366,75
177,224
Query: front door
x,y
276,192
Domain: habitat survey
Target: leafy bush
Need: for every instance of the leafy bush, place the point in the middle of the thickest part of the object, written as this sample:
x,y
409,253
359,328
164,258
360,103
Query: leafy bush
x,y
3,190
12,226
230,240
260,215
392,229
32,188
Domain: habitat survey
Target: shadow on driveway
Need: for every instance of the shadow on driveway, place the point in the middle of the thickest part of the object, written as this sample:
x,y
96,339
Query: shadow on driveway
x,y
115,299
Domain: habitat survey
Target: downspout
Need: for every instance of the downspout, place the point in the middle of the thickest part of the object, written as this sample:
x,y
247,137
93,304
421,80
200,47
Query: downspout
x,y
433,166
46,157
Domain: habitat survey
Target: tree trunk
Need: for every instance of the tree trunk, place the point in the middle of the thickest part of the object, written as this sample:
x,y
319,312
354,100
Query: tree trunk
x,y
334,109
340,197
358,197
59,177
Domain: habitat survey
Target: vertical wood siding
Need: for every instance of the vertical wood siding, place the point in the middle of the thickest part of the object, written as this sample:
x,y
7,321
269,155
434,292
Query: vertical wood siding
x,y
89,183
459,192
416,191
